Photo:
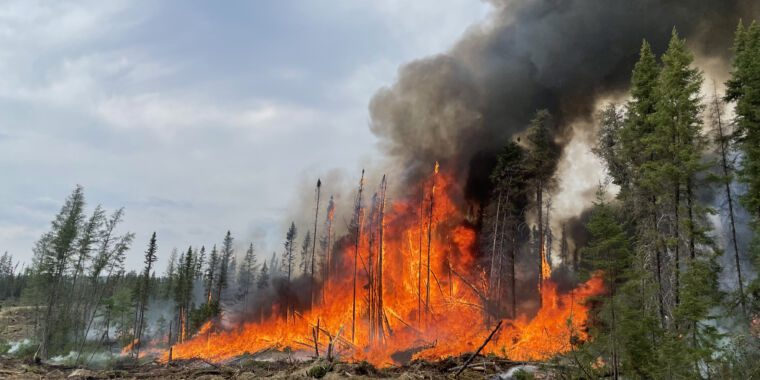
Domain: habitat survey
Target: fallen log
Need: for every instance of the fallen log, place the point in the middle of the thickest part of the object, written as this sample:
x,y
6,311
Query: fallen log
x,y
474,354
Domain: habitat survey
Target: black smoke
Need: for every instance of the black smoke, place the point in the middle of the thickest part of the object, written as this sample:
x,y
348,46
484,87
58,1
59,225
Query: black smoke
x,y
459,107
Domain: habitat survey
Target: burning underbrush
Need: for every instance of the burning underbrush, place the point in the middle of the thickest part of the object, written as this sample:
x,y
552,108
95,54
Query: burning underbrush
x,y
404,283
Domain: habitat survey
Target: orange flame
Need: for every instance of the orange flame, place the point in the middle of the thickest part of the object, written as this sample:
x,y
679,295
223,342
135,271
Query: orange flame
x,y
546,270
450,324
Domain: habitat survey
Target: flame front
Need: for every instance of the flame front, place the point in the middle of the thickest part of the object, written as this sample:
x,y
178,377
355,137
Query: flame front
x,y
431,319
546,269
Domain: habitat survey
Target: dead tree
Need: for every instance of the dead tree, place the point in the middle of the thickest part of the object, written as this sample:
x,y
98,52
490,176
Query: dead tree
x,y
419,260
493,274
370,268
429,238
379,274
328,245
723,149
357,238
314,242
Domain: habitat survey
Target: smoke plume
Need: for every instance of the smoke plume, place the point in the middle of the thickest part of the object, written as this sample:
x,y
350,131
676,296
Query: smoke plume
x,y
459,107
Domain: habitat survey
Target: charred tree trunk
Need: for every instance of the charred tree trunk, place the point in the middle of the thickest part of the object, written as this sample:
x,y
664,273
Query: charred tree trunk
x,y
725,167
419,261
492,276
540,205
381,217
358,216
429,241
314,243
513,257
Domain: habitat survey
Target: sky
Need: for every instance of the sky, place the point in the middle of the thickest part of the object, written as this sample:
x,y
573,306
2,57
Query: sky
x,y
197,118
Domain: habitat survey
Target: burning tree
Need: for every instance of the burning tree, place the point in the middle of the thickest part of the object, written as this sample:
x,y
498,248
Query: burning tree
x,y
377,281
542,162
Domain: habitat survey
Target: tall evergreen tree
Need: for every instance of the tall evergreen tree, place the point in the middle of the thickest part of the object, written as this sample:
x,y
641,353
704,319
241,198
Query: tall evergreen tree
x,y
639,193
305,263
503,217
247,276
542,162
263,281
169,275
144,291
52,258
288,257
211,274
743,89
679,143
184,292
226,256
724,177
200,260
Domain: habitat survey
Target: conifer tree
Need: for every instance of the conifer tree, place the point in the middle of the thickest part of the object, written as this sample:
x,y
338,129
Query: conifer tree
x,y
52,258
200,260
639,193
170,274
305,263
542,162
510,189
679,144
144,291
226,256
211,274
184,291
246,275
624,331
726,170
288,257
743,89
263,281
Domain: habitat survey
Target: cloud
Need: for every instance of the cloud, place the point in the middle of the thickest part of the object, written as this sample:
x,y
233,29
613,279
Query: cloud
x,y
168,114
197,118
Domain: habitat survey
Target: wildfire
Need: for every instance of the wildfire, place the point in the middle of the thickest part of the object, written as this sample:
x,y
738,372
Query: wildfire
x,y
423,318
546,270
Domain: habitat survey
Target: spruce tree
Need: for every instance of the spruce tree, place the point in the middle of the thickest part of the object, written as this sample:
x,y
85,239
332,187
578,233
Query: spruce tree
x,y
52,259
170,274
608,250
144,291
502,219
263,281
288,257
227,253
305,263
679,144
743,89
200,260
247,276
639,194
542,162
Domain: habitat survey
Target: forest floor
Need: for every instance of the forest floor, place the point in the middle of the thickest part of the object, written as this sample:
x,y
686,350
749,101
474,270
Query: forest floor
x,y
248,368
16,322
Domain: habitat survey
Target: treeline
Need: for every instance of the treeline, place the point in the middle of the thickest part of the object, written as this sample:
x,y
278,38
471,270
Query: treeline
x,y
681,164
522,180
86,302
12,280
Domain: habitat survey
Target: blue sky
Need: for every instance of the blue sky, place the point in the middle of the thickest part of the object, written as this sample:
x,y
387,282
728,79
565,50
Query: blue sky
x,y
196,117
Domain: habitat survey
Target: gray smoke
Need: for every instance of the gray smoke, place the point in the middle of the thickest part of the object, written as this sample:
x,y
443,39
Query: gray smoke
x,y
562,55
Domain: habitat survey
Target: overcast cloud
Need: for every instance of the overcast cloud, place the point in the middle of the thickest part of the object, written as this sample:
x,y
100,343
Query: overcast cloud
x,y
196,118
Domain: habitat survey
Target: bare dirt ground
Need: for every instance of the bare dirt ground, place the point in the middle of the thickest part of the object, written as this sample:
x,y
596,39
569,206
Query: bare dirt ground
x,y
16,322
